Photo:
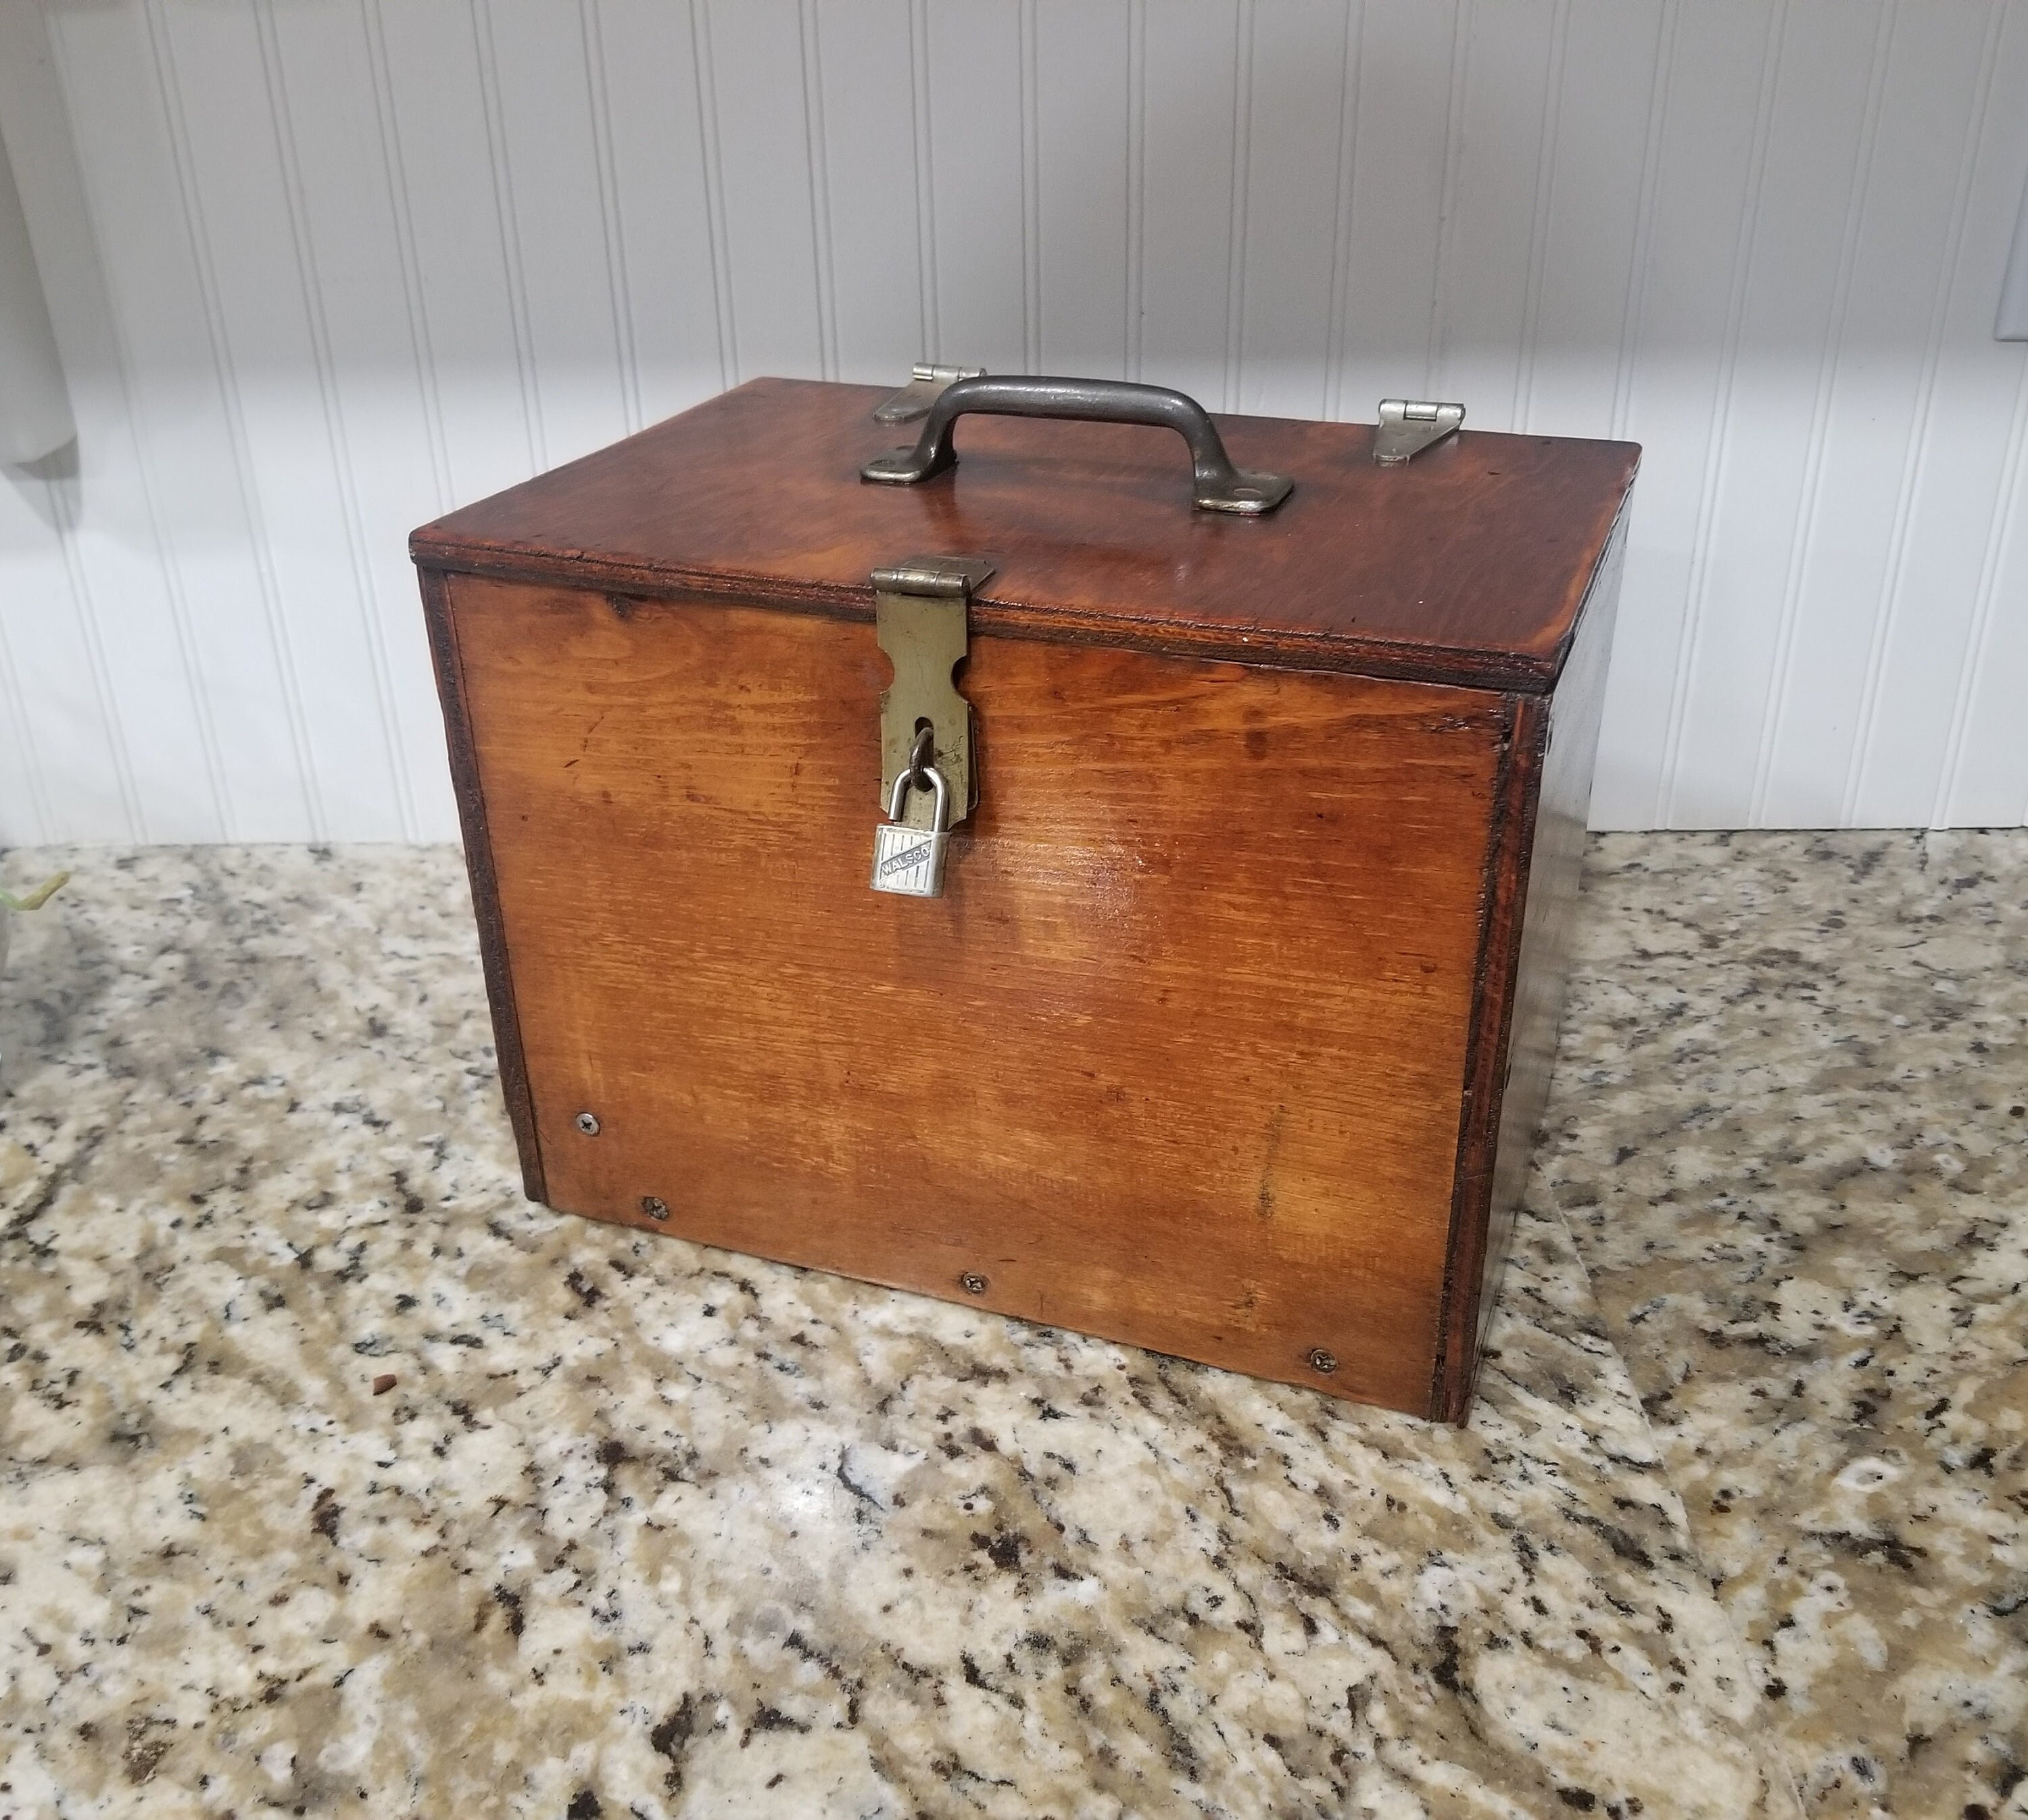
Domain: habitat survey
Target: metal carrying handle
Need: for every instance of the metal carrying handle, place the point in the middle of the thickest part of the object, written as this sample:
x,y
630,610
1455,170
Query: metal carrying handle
x,y
1217,485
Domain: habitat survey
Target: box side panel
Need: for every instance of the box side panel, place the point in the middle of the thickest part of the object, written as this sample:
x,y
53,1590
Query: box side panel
x,y
1177,1059
1537,870
441,620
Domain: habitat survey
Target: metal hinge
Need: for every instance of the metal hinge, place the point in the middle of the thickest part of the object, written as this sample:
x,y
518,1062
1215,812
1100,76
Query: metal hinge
x,y
915,399
1408,425
919,609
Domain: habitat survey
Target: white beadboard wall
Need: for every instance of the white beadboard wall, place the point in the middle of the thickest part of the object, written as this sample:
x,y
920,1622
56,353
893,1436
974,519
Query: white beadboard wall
x,y
323,268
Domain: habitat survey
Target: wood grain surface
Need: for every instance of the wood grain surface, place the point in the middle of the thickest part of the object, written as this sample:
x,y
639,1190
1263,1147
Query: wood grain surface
x,y
441,624
1535,867
1178,1059
1466,566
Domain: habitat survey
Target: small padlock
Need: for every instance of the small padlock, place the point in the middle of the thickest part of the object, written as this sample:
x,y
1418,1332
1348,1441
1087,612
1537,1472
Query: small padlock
x,y
906,860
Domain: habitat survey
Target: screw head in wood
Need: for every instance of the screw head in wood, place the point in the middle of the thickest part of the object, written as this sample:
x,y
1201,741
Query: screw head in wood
x,y
587,1123
654,1206
1321,1360
972,1283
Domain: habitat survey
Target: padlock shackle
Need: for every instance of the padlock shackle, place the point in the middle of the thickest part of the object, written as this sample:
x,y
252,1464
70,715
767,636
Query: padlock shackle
x,y
897,798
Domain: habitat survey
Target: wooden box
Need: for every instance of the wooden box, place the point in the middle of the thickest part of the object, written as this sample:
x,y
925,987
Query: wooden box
x,y
1230,1031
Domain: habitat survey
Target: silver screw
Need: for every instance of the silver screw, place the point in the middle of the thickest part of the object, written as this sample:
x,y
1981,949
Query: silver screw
x,y
587,1123
654,1206
1320,1360
972,1283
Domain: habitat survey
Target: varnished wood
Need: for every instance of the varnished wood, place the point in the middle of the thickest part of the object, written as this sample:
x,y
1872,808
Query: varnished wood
x,y
468,788
1177,1058
1466,566
1534,870
1230,1035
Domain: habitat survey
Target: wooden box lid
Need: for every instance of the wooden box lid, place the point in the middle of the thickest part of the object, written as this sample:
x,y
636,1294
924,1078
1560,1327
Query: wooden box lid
x,y
1467,565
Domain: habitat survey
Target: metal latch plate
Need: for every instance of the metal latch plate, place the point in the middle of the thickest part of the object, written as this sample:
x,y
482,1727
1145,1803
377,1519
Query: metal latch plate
x,y
919,618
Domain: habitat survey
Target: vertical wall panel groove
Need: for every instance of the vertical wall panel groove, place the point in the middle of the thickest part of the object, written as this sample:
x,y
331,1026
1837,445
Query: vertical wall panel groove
x,y
1031,195
1242,133
1342,211
868,129
95,637
1761,236
1883,606
2000,540
206,777
1827,365
1888,609
1546,138
398,197
619,286
813,141
1889,365
27,760
1944,670
509,232
1462,15
50,501
1635,294
222,374
309,283
714,184
925,175
1137,177
1690,638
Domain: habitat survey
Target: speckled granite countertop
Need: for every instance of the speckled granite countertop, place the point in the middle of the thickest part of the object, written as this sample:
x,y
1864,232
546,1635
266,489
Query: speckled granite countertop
x,y
642,1529
1791,1140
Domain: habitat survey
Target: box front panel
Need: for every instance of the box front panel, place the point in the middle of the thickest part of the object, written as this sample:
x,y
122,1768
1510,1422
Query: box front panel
x,y
1176,1059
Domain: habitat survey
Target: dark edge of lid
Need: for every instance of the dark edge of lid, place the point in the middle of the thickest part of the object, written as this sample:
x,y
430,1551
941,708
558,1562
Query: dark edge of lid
x,y
1469,667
